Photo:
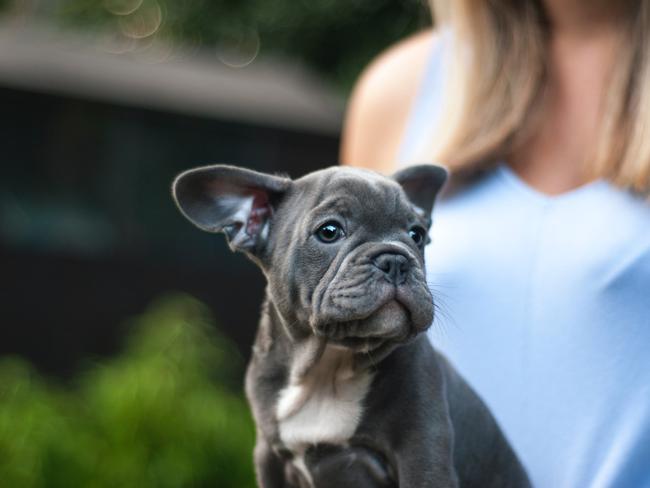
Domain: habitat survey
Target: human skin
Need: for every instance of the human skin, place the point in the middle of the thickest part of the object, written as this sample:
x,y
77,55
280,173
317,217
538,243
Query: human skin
x,y
583,44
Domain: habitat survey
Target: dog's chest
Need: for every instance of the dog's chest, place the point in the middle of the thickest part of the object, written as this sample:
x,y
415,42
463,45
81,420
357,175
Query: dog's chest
x,y
326,406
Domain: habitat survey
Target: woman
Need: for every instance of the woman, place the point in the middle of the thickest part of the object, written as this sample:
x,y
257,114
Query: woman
x,y
541,251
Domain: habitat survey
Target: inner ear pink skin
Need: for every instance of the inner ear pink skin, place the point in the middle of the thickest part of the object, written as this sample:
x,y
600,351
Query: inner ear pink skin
x,y
260,212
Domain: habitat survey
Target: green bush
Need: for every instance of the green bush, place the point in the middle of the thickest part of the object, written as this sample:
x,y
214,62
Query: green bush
x,y
161,414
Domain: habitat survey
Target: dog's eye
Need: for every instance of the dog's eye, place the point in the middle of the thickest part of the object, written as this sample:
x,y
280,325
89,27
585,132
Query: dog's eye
x,y
418,234
329,232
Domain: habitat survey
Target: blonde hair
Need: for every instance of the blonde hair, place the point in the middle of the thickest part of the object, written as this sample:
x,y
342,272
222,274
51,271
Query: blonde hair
x,y
496,83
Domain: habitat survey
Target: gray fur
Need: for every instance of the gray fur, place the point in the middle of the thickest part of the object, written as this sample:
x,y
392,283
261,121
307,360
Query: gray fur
x,y
366,295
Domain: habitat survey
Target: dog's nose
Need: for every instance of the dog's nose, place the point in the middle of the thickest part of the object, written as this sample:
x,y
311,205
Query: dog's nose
x,y
395,267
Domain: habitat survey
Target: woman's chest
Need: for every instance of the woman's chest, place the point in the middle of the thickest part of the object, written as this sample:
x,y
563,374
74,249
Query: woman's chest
x,y
524,282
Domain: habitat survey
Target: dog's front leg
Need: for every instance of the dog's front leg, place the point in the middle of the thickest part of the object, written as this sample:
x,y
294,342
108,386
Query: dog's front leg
x,y
417,471
424,454
354,466
269,467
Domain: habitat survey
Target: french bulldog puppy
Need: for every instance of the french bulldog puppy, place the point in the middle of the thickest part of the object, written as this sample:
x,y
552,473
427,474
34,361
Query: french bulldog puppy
x,y
345,389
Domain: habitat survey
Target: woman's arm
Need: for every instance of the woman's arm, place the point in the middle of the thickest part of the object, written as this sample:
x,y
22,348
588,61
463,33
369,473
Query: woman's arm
x,y
380,104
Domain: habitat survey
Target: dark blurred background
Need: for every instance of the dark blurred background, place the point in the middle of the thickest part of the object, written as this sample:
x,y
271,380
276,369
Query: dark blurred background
x,y
103,102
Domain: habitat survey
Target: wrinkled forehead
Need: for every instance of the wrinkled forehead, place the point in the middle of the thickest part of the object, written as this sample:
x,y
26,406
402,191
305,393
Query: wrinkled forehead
x,y
355,191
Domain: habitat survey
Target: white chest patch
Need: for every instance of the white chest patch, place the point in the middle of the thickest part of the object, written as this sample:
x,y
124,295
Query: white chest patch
x,y
326,406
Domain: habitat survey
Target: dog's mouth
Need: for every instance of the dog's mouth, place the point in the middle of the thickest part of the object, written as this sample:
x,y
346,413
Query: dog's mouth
x,y
389,323
359,344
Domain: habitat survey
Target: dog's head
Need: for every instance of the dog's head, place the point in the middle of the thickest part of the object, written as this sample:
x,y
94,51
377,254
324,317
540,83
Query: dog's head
x,y
342,248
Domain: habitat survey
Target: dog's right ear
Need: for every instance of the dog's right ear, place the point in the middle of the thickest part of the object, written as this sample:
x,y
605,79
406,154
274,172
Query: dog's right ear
x,y
236,201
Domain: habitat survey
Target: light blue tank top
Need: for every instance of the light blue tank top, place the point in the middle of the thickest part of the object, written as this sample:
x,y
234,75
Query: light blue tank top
x,y
546,312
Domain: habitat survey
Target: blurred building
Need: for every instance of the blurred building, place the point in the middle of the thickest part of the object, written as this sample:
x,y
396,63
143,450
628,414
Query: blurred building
x,y
92,133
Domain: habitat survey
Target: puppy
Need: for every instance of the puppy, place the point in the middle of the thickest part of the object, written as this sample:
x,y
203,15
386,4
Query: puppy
x,y
344,388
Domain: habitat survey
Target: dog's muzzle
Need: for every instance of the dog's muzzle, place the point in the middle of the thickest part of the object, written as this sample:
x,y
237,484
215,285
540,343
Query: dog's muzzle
x,y
374,296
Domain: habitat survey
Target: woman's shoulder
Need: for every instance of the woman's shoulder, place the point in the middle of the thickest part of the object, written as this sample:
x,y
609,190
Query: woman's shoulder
x,y
381,101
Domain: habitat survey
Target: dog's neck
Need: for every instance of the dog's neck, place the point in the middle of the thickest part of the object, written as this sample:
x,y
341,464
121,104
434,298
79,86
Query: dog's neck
x,y
305,348
321,400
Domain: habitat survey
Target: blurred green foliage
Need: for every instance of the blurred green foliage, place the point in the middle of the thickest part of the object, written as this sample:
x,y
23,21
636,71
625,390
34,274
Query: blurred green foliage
x,y
161,414
335,37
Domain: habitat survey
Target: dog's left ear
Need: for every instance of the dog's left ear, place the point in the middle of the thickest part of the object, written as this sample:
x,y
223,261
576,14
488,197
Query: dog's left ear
x,y
236,201
422,183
